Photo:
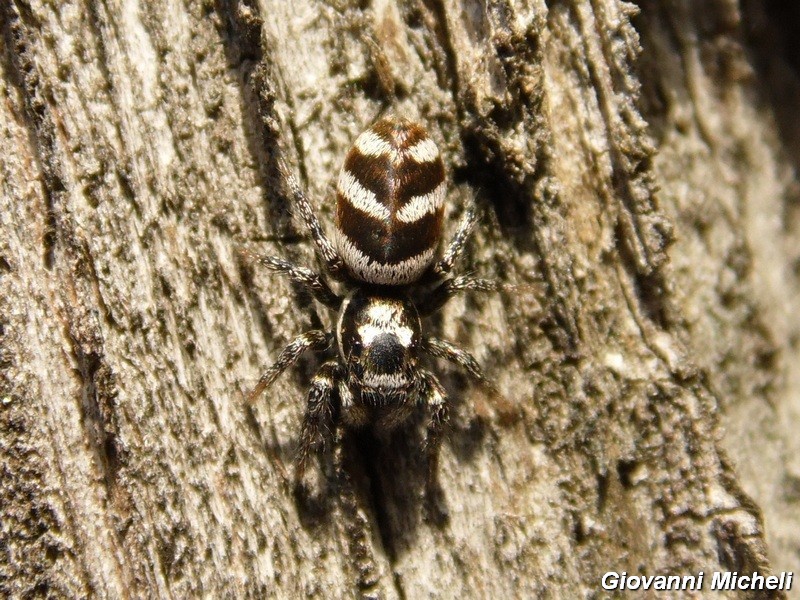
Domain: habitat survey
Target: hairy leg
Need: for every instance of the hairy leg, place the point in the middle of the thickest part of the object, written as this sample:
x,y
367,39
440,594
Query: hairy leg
x,y
319,418
327,252
310,280
439,296
456,246
316,340
451,352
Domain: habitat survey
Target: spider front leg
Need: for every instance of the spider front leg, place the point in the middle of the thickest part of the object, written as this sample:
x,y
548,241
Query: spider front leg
x,y
308,279
327,252
454,354
451,352
316,340
318,422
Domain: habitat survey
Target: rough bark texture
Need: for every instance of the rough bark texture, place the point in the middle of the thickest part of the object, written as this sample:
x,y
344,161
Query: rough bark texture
x,y
638,169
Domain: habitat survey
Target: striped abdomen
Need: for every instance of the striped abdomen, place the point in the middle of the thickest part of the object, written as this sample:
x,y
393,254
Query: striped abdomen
x,y
390,197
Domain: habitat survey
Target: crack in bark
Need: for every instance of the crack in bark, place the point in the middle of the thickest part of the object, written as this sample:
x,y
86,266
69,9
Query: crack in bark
x,y
442,45
16,17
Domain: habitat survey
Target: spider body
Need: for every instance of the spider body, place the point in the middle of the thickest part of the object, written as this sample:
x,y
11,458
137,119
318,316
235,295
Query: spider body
x,y
390,196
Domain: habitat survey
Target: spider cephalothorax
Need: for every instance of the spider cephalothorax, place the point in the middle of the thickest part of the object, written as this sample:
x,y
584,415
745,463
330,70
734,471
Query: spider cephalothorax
x,y
390,196
377,338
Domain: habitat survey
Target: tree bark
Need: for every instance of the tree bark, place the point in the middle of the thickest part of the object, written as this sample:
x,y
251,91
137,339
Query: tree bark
x,y
637,168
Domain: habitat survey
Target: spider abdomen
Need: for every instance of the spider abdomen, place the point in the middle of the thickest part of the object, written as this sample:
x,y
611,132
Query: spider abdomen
x,y
389,209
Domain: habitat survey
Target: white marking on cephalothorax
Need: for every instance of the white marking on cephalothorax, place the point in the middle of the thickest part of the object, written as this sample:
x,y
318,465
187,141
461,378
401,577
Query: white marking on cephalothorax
x,y
372,271
383,313
424,151
385,317
360,197
419,206
369,332
385,380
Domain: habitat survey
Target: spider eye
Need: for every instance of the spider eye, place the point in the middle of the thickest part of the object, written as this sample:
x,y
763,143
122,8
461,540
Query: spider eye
x,y
356,345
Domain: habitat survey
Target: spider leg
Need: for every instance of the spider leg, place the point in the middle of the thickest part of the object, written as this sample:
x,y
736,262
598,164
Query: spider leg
x,y
317,340
307,278
439,296
451,352
319,418
445,264
326,251
434,397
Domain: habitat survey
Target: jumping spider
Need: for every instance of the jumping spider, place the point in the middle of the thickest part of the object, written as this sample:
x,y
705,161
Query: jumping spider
x,y
390,197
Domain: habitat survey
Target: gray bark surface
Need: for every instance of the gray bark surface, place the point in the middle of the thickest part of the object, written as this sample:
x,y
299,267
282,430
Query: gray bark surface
x,y
637,165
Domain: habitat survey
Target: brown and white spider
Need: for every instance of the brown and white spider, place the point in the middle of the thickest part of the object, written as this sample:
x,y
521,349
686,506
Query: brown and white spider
x,y
389,212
